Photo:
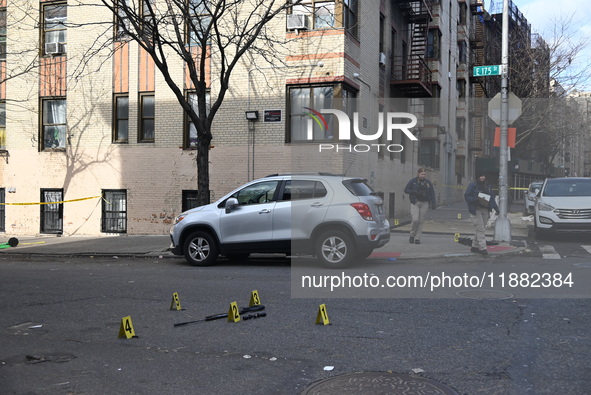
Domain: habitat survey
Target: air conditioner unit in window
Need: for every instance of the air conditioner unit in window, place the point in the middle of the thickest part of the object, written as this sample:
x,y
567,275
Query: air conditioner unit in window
x,y
51,48
297,22
382,59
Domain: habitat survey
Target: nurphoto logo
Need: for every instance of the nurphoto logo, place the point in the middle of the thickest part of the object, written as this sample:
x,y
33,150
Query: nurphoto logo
x,y
391,119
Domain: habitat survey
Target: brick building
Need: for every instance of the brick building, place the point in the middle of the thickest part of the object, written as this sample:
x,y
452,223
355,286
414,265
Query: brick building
x,y
106,148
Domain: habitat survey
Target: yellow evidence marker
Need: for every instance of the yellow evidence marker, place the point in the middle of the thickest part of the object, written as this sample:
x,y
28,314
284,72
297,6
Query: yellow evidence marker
x,y
233,313
456,237
176,303
126,329
459,215
395,222
322,317
254,299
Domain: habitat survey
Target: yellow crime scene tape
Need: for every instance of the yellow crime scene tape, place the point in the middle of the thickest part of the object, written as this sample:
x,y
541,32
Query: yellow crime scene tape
x,y
63,201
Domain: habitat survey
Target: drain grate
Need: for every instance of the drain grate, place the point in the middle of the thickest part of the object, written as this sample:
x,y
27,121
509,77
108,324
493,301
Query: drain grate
x,y
377,383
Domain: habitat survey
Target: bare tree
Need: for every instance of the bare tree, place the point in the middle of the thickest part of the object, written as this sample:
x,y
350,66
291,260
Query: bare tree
x,y
194,32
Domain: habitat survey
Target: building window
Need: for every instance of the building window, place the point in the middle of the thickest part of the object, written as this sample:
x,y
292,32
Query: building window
x,y
2,210
122,23
114,211
461,128
198,22
433,104
463,51
3,34
329,14
147,114
429,153
148,18
189,199
463,8
191,135
2,125
54,29
52,211
461,88
433,44
460,169
350,16
54,124
121,119
317,98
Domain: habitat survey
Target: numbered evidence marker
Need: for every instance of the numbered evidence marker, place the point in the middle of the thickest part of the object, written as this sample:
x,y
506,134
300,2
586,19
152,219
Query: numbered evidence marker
x,y
176,302
456,237
322,317
396,222
126,328
233,313
254,298
459,215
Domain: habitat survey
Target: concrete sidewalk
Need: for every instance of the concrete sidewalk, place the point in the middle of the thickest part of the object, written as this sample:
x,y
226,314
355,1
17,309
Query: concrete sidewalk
x,y
442,227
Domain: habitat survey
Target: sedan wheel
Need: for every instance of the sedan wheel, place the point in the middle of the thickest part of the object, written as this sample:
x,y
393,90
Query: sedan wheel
x,y
200,249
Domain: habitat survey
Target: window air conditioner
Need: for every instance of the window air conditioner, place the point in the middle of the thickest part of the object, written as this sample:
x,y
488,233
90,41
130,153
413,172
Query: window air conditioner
x,y
382,59
297,21
51,48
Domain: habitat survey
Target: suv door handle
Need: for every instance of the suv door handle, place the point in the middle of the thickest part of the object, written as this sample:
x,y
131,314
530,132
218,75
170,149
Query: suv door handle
x,y
317,204
265,211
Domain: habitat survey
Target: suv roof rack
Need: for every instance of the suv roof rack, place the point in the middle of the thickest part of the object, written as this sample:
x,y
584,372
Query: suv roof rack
x,y
318,173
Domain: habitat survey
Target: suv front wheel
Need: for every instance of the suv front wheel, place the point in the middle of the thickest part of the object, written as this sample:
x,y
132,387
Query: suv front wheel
x,y
200,249
335,249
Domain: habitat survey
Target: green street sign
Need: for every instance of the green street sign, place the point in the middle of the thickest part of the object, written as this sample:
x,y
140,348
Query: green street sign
x,y
486,71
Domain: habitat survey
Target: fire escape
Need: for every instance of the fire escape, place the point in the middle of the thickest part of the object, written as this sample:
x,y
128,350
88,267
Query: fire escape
x,y
477,107
410,75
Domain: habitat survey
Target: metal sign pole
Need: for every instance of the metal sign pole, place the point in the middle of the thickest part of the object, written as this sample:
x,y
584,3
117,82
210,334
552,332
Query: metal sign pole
x,y
503,225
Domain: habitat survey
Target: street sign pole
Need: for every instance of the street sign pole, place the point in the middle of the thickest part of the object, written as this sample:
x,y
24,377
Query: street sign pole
x,y
503,225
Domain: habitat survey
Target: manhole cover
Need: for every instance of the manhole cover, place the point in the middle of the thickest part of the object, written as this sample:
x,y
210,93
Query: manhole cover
x,y
378,383
484,294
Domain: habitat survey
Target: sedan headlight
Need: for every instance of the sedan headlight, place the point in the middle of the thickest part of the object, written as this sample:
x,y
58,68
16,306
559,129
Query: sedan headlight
x,y
544,207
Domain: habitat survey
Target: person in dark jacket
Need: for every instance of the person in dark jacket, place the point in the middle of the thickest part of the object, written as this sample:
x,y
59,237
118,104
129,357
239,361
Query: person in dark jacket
x,y
481,201
422,195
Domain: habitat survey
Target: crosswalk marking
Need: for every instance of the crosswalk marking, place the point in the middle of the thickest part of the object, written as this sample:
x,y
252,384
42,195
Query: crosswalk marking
x,y
548,252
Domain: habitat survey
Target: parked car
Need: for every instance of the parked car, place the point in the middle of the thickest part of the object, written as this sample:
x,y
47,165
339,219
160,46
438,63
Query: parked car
x,y
338,219
563,205
529,198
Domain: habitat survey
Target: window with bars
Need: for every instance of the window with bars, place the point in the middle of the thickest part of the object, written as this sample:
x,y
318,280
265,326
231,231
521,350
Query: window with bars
x,y
52,211
189,199
2,210
114,211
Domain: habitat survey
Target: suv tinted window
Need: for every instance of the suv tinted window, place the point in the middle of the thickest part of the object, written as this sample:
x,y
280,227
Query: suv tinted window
x,y
358,187
303,189
261,192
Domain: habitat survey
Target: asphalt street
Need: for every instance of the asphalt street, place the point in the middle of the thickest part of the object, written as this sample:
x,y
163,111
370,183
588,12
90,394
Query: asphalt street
x,y
60,319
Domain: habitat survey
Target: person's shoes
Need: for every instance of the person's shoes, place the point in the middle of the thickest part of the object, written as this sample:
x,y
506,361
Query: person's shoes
x,y
411,240
484,252
417,241
474,249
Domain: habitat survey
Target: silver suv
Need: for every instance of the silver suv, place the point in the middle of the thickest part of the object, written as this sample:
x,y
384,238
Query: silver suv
x,y
338,219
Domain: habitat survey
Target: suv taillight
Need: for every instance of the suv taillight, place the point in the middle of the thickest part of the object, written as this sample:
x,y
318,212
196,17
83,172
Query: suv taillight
x,y
363,210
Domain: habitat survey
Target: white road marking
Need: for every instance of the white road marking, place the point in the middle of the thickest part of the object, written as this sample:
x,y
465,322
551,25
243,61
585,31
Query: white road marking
x,y
548,252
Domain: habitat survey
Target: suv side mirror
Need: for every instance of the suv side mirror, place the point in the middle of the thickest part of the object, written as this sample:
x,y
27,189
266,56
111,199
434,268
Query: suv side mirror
x,y
230,204
537,191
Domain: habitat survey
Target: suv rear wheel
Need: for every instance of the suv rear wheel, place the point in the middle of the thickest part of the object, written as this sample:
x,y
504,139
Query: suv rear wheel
x,y
335,249
200,249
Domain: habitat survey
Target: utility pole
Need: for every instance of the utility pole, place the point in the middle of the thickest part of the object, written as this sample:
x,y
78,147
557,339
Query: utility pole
x,y
503,225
